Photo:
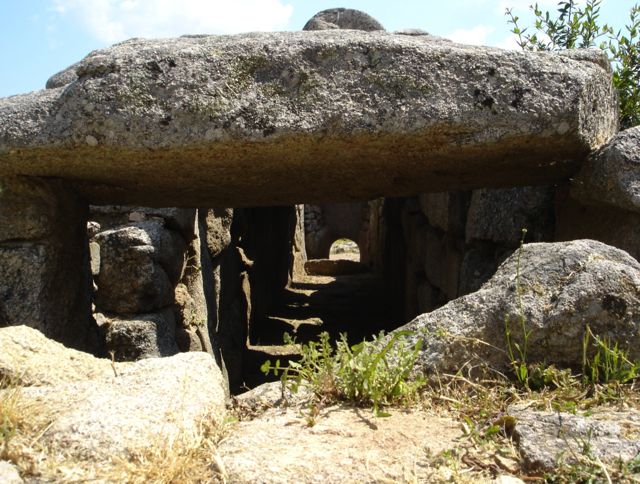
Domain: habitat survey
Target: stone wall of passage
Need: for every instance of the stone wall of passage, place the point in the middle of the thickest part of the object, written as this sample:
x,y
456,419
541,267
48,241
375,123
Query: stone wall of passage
x,y
439,246
326,223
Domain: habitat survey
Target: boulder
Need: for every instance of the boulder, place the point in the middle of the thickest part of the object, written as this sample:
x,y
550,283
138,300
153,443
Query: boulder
x,y
29,358
611,176
565,286
181,220
342,18
547,440
161,122
151,400
64,77
115,412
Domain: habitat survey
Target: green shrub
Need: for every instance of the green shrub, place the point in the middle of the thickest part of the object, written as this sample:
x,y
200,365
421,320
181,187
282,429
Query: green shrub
x,y
376,373
577,26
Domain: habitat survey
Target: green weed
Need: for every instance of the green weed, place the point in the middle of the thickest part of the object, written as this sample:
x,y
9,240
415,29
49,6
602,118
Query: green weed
x,y
608,364
376,373
518,352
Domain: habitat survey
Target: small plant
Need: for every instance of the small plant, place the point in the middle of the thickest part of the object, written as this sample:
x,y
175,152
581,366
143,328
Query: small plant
x,y
518,352
376,373
608,364
577,26
543,376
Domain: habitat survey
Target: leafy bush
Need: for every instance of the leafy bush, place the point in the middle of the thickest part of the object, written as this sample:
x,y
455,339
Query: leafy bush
x,y
374,372
577,26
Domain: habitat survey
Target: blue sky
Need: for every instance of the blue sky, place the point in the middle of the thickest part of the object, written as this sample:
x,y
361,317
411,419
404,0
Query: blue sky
x,y
40,37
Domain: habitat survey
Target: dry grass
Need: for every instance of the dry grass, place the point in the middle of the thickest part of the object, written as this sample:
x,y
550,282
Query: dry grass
x,y
21,426
187,458
488,450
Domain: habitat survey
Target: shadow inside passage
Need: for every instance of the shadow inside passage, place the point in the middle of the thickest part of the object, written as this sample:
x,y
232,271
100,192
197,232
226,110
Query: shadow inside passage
x,y
352,304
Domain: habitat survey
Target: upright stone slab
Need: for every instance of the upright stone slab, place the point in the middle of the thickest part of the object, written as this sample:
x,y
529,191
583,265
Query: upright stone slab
x,y
44,273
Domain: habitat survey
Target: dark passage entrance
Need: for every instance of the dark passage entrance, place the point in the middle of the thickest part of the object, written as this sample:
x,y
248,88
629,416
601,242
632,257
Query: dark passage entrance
x,y
351,301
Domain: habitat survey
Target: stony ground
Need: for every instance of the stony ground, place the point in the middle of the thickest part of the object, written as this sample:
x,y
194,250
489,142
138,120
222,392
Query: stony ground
x,y
336,444
76,426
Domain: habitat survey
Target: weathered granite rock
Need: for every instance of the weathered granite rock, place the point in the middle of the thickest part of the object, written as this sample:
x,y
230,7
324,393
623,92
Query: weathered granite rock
x,y
268,396
151,400
64,77
548,439
342,18
190,295
500,215
218,229
30,358
611,176
565,287
298,245
139,267
478,265
9,474
44,271
181,220
159,122
141,335
107,416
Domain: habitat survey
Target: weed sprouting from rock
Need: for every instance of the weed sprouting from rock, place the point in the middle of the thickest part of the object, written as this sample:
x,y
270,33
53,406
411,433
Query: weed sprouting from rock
x,y
518,352
377,372
608,363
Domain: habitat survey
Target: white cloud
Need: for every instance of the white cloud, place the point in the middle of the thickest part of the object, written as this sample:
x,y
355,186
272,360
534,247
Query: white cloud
x,y
523,6
115,20
510,42
476,35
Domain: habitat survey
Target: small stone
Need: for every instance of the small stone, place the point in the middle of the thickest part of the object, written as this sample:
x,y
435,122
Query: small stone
x,y
91,140
137,216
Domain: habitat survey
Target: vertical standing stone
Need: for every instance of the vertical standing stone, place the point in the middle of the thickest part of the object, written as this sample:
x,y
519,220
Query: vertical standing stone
x,y
44,271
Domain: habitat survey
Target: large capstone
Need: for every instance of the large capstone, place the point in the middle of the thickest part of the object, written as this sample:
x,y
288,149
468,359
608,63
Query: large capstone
x,y
280,118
